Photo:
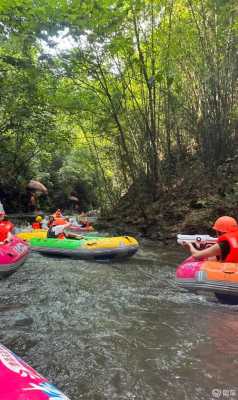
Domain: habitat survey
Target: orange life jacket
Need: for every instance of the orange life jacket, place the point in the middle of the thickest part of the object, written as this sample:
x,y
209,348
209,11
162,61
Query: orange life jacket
x,y
36,225
59,221
232,239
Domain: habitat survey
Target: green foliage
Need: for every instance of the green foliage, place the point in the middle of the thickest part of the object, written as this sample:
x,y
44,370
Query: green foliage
x,y
147,84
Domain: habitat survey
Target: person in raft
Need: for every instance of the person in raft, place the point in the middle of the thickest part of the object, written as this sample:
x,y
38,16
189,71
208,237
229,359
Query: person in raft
x,y
226,248
37,224
84,223
83,220
58,231
56,221
58,214
5,235
5,222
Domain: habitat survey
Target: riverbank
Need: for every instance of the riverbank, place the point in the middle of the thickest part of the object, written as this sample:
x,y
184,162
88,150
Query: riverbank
x,y
189,204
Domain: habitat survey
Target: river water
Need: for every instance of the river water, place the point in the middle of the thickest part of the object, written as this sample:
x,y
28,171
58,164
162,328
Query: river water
x,y
120,331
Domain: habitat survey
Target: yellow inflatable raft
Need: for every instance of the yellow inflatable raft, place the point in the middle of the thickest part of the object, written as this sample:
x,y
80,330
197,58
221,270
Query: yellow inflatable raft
x,y
35,233
97,248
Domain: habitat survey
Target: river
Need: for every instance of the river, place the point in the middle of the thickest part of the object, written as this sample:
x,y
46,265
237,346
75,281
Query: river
x,y
120,331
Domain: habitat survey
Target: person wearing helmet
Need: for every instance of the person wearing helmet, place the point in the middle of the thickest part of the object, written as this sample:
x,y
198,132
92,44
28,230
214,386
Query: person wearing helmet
x,y
58,218
37,224
226,248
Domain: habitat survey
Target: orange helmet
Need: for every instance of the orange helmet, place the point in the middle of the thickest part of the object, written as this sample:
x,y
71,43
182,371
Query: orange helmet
x,y
225,224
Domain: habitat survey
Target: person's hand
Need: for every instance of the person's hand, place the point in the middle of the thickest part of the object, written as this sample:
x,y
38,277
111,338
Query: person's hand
x,y
188,246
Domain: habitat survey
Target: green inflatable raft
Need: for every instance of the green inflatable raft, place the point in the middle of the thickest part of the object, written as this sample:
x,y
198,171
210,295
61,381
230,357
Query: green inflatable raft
x,y
95,248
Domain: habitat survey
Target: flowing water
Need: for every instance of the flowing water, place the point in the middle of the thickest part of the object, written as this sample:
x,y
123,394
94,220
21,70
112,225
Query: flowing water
x,y
120,331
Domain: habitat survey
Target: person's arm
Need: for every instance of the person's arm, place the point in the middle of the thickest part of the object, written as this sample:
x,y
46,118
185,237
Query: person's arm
x,y
67,225
209,252
8,238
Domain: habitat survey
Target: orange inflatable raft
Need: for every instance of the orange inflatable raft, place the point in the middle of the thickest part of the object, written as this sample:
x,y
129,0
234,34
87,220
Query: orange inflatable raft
x,y
220,278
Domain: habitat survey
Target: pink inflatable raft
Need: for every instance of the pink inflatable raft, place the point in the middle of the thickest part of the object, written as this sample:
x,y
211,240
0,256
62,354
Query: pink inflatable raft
x,y
187,273
12,255
18,381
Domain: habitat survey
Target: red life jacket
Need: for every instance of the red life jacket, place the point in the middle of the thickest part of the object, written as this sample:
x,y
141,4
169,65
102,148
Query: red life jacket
x,y
3,233
36,225
8,225
232,239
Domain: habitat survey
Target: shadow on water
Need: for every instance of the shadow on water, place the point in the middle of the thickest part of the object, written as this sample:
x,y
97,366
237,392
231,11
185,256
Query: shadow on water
x,y
118,331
